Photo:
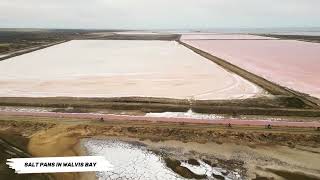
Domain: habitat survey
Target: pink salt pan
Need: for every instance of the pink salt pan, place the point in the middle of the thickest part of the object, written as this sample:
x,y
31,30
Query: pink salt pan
x,y
208,36
294,64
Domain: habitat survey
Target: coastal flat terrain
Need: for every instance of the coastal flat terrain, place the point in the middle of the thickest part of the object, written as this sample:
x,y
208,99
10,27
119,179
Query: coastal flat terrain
x,y
192,115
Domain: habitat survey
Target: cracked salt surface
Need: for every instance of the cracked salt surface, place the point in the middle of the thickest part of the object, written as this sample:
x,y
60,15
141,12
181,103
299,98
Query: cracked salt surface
x,y
129,161
134,161
188,114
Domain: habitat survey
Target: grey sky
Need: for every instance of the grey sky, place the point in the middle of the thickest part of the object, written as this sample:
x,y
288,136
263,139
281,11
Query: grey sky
x,y
159,14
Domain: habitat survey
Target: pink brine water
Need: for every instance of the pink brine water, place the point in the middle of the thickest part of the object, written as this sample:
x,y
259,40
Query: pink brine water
x,y
294,64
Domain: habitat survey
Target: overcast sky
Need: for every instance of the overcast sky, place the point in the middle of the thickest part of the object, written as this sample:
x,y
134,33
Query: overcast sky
x,y
159,14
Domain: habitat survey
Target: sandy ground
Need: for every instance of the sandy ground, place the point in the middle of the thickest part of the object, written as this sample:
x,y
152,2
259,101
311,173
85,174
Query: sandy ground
x,y
55,143
258,147
60,141
256,159
290,63
97,68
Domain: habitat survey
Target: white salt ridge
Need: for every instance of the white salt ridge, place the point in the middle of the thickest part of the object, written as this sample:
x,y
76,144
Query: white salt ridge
x,y
24,109
188,114
205,169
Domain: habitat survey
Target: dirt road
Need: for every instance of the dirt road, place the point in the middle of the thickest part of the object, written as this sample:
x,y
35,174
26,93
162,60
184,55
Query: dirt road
x,y
113,117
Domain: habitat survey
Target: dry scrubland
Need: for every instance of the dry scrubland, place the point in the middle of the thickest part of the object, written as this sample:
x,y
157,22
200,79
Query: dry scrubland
x,y
97,68
293,64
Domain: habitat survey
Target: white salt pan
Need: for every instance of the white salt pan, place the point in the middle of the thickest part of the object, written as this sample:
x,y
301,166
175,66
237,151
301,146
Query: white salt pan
x,y
114,68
